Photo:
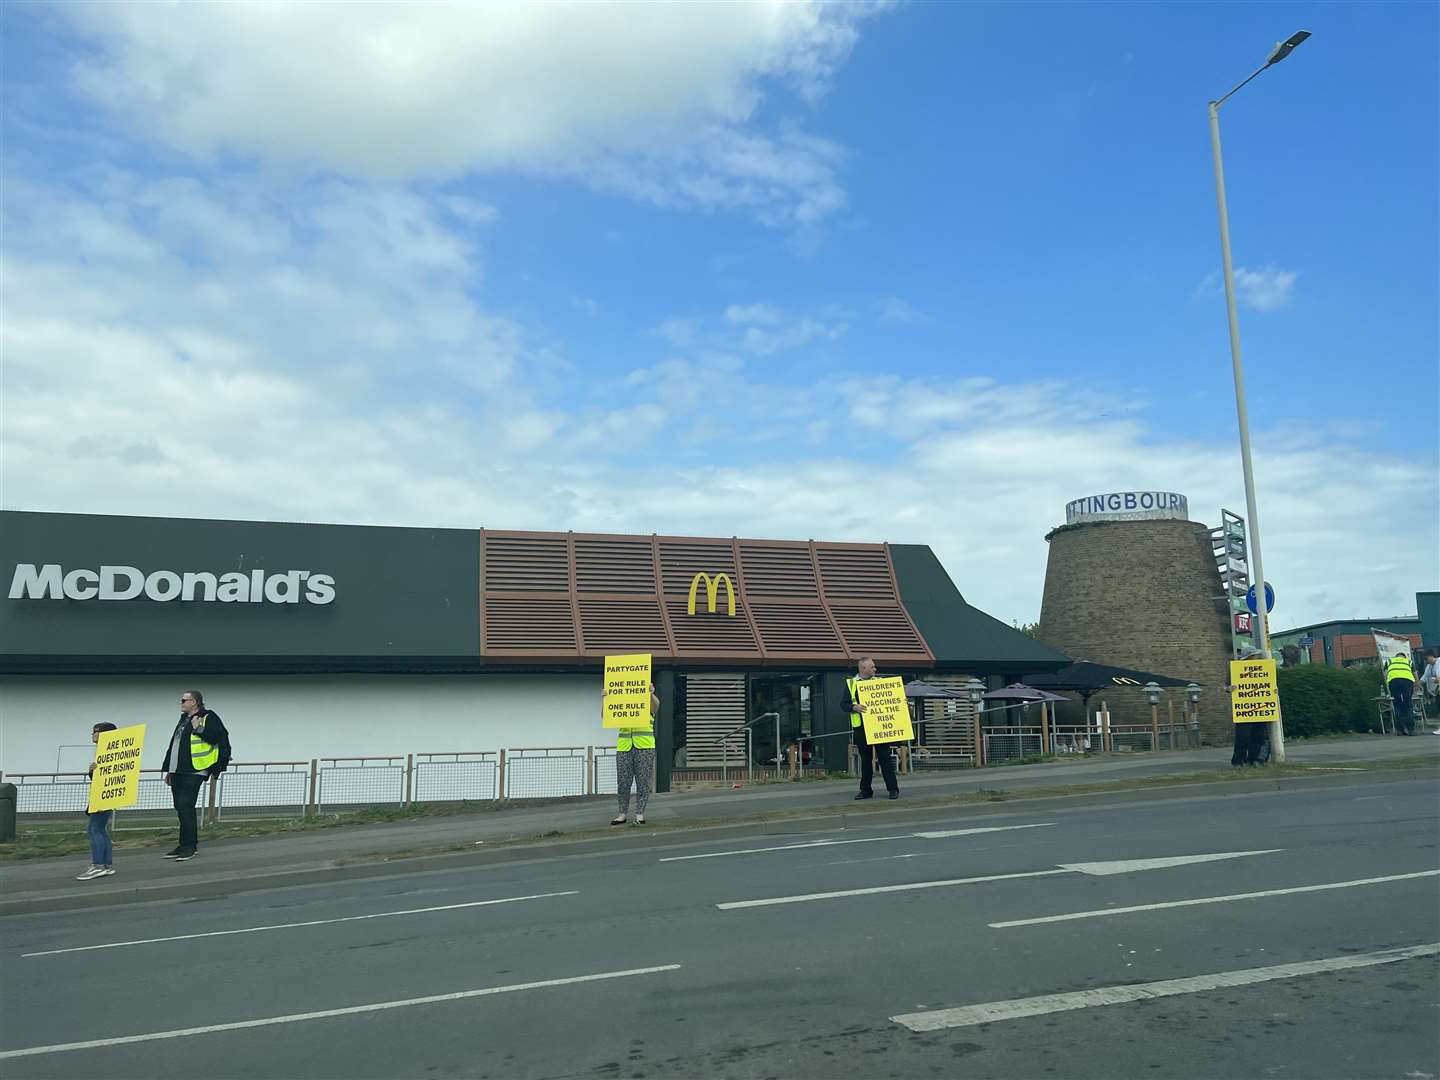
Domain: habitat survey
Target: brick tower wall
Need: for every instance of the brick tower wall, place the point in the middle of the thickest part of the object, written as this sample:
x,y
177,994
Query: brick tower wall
x,y
1141,594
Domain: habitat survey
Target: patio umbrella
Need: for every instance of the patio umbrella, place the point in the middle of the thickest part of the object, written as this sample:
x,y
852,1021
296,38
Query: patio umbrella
x,y
918,689
1020,692
1087,678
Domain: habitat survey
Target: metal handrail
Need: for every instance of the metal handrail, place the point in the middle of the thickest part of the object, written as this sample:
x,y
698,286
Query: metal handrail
x,y
749,755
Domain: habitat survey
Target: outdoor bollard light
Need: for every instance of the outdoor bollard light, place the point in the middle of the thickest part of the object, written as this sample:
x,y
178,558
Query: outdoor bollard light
x,y
1262,633
1153,692
1193,693
976,689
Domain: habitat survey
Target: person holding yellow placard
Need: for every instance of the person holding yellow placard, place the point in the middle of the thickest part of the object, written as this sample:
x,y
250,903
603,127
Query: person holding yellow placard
x,y
634,760
865,669
97,825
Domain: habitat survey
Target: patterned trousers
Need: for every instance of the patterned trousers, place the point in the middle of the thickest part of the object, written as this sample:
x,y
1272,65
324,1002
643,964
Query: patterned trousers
x,y
633,766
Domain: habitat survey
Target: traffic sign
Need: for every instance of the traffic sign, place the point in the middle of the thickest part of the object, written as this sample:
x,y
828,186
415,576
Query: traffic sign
x,y
1307,641
1250,599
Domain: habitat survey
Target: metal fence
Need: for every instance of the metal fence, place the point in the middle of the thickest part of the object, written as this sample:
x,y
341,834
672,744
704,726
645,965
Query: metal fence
x,y
331,784
546,772
360,781
1013,744
455,777
603,777
264,785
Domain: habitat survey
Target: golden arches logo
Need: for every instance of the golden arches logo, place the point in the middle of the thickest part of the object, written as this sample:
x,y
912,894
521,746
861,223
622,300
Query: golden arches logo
x,y
712,592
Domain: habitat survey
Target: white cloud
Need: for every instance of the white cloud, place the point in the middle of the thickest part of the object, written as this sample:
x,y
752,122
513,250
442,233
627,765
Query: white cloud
x,y
657,102
895,310
751,313
1266,288
329,346
801,332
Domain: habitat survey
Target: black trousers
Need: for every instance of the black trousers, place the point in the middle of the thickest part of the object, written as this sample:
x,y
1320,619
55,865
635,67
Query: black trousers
x,y
185,790
1249,742
1401,691
867,764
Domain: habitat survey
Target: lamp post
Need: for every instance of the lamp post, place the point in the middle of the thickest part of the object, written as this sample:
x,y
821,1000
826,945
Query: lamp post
x,y
975,690
1192,694
1152,695
1262,638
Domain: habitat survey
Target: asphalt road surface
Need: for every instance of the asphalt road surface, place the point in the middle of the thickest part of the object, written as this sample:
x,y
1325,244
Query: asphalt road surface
x,y
1094,942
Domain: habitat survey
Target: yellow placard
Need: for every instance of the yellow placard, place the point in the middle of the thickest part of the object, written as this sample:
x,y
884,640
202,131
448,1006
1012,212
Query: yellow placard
x,y
115,783
627,691
887,712
1255,698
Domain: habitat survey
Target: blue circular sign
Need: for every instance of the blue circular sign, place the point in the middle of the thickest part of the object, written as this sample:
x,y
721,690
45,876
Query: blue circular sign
x,y
1251,602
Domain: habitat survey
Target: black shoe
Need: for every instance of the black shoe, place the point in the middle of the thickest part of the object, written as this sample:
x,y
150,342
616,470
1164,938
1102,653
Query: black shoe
x,y
865,795
894,794
172,853
186,853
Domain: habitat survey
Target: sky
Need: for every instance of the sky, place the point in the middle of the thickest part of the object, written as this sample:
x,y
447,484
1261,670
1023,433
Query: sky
x,y
919,273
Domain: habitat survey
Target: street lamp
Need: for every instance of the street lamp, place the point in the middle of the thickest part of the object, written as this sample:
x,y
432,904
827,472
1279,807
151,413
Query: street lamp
x,y
975,690
1192,694
1262,637
1152,695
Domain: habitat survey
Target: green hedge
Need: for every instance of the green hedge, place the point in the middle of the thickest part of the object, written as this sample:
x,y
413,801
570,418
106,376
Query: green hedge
x,y
1319,700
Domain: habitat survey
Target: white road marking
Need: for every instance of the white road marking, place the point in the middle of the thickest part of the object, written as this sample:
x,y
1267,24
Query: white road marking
x,y
291,926
1126,866
942,834
992,1011
862,840
1214,899
784,847
774,900
325,1014
1098,868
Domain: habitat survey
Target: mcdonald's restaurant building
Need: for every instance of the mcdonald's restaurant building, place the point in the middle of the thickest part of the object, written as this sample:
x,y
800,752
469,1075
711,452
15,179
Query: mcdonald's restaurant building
x,y
339,640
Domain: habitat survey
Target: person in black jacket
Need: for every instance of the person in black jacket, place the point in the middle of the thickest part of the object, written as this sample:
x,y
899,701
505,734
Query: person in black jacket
x,y
199,750
865,669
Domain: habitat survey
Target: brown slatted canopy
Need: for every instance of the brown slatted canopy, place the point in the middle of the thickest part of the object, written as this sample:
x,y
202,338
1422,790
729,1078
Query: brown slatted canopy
x,y
558,597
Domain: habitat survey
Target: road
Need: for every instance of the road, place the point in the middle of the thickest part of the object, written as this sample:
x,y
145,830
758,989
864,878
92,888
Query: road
x,y
1309,946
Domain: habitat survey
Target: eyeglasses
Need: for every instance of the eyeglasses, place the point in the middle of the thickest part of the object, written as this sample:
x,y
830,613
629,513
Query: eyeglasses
x,y
186,700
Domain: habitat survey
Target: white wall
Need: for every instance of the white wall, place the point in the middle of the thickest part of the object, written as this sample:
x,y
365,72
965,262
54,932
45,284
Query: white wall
x,y
298,717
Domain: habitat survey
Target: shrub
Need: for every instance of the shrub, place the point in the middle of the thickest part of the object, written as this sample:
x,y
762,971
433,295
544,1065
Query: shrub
x,y
1320,700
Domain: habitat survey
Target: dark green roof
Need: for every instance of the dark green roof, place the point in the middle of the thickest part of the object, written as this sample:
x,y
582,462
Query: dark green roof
x,y
1337,627
959,635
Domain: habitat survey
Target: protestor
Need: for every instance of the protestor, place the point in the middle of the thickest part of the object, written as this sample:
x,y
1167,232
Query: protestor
x,y
865,669
97,825
199,750
1400,680
634,761
1430,685
1252,741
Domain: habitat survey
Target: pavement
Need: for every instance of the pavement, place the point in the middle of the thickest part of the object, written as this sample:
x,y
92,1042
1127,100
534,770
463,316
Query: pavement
x,y
1237,931
515,831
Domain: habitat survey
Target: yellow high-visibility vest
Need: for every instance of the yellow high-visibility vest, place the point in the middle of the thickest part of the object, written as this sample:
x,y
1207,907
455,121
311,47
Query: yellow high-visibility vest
x,y
1399,668
639,738
202,754
854,716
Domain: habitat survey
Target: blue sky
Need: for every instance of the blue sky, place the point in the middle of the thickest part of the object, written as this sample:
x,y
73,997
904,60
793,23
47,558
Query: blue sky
x,y
715,269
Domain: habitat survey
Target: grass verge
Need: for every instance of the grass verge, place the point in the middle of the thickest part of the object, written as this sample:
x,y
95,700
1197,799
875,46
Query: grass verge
x,y
61,839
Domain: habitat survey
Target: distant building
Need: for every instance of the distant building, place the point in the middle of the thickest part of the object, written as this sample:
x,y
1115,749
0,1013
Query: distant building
x,y
1347,642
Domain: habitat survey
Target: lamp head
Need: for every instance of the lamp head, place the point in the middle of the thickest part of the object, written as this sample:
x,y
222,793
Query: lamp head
x,y
1285,48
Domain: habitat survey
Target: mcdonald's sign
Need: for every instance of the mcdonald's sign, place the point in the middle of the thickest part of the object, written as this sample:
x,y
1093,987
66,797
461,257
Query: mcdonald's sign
x,y
712,592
